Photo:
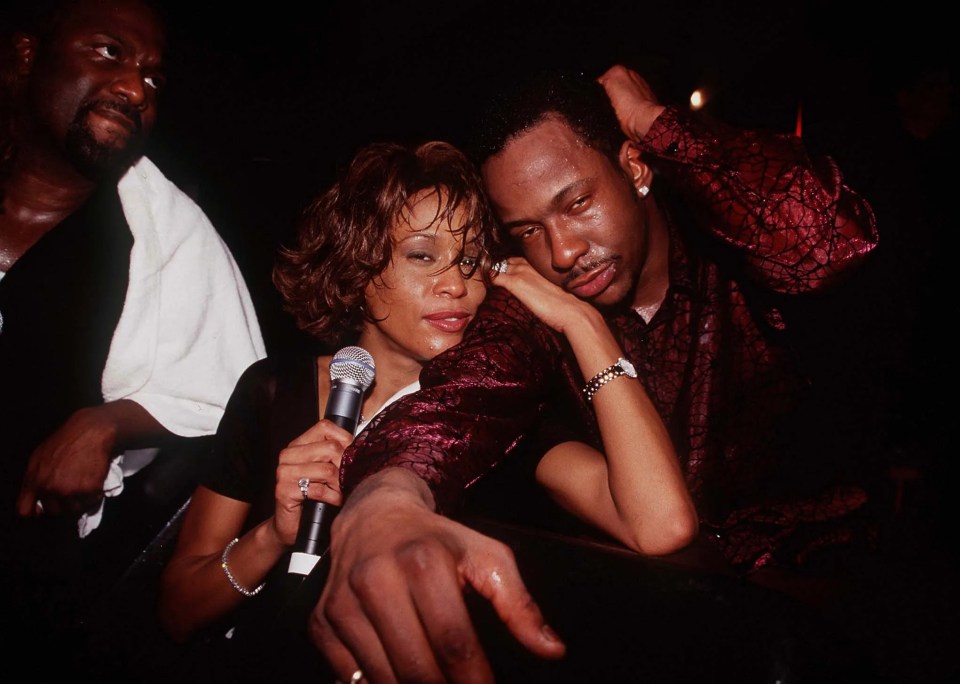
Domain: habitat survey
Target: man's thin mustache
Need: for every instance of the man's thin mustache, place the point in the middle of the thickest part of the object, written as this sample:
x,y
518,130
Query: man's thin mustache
x,y
128,110
580,270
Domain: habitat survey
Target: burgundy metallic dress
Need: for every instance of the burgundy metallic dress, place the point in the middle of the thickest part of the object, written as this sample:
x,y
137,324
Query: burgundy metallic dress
x,y
756,227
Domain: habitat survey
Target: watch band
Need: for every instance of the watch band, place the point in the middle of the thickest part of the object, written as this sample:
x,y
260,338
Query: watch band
x,y
615,370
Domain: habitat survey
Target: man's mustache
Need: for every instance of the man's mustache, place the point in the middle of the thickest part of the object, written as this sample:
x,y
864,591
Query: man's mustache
x,y
579,270
128,110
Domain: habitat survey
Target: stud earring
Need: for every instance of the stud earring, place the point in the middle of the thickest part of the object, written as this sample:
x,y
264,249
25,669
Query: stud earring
x,y
644,190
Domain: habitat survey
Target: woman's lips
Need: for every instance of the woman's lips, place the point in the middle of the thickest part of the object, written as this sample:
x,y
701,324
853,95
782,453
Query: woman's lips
x,y
593,282
448,321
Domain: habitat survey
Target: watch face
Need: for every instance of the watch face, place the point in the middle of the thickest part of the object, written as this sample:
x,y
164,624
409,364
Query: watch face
x,y
628,368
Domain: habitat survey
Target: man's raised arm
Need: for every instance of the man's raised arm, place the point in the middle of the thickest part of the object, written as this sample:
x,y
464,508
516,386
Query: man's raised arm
x,y
794,219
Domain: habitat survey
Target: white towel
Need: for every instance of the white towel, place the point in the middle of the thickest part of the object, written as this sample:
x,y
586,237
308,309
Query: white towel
x,y
188,327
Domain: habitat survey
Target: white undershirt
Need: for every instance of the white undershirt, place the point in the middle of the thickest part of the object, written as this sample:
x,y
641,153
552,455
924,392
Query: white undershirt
x,y
412,387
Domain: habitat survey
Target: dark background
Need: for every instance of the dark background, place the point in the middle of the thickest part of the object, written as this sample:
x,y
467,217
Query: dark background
x,y
264,104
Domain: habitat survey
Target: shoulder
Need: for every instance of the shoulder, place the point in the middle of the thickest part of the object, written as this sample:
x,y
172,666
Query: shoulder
x,y
268,381
263,376
155,204
146,177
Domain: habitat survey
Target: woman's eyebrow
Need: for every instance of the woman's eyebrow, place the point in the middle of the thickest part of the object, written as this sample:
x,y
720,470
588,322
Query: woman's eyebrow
x,y
419,235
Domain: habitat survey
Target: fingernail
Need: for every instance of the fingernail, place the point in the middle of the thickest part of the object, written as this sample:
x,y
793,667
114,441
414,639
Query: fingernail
x,y
549,634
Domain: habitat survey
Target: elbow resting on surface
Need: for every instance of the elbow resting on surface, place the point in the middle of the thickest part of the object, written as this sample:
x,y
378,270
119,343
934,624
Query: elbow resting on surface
x,y
667,536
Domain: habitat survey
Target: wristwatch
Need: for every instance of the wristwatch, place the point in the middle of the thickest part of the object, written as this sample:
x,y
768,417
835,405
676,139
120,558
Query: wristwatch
x,y
621,367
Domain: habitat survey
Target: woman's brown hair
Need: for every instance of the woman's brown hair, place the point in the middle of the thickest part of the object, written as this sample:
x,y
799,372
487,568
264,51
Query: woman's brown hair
x,y
344,236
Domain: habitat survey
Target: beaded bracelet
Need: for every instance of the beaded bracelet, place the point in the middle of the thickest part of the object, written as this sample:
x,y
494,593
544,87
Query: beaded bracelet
x,y
233,580
622,367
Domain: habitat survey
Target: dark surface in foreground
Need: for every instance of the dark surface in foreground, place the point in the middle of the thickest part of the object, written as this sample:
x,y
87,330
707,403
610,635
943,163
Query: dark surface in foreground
x,y
623,617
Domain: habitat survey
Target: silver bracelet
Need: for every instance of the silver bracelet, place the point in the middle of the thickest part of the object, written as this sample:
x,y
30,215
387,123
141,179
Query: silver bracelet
x,y
233,580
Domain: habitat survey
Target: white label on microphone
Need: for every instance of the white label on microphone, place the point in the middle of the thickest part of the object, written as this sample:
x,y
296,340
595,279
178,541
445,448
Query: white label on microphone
x,y
302,563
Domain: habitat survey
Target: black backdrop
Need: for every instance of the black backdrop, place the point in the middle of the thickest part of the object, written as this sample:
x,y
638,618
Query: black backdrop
x,y
264,103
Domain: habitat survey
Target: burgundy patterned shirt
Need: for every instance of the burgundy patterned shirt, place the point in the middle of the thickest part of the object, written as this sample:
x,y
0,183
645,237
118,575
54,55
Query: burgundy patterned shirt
x,y
760,227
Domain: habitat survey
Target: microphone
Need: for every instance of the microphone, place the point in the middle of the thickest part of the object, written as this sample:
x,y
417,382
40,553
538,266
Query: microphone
x,y
351,374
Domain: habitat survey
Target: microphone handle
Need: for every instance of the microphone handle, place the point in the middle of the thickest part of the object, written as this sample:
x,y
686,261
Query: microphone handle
x,y
348,423
314,531
313,535
317,516
310,562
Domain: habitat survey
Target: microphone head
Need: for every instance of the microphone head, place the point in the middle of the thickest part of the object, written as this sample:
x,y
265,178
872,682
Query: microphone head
x,y
354,365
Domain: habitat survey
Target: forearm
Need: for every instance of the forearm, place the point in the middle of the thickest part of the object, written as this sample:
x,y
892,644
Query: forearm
x,y
388,492
590,339
794,220
645,484
391,482
637,491
195,590
121,425
68,469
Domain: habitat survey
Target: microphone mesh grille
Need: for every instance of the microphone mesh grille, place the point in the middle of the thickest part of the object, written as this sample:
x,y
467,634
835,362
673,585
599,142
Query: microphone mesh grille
x,y
353,364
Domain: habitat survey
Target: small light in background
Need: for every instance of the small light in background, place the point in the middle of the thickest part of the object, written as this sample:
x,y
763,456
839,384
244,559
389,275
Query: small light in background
x,y
698,98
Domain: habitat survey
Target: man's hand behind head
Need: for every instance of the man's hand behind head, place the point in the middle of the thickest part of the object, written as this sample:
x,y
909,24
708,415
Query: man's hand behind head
x,y
633,100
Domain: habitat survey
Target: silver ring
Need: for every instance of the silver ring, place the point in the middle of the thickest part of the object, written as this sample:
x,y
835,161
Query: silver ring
x,y
39,507
356,677
304,484
500,266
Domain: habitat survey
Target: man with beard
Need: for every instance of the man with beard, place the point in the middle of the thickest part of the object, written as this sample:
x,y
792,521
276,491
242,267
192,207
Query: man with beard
x,y
124,320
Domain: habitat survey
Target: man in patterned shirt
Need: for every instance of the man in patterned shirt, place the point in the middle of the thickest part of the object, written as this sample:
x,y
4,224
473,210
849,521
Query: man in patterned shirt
x,y
697,280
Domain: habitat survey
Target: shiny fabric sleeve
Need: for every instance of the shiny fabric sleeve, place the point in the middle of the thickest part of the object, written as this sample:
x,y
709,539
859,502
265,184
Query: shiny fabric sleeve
x,y
793,219
477,400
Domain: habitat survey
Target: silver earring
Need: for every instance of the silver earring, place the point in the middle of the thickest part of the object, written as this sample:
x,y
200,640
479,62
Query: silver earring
x,y
644,190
